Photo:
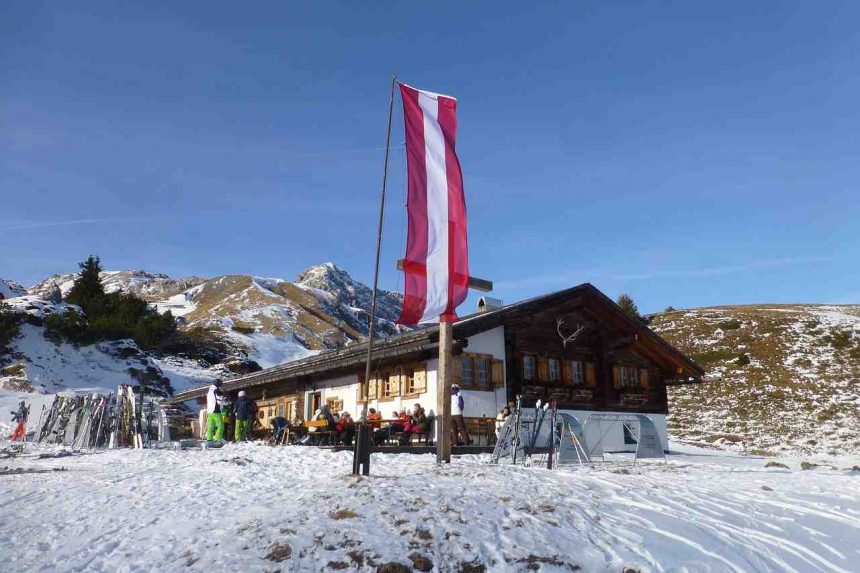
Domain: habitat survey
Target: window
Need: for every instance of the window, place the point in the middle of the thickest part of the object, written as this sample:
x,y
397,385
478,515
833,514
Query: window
x,y
281,409
625,377
632,376
483,370
415,379
466,365
374,387
528,367
477,371
391,386
553,370
577,373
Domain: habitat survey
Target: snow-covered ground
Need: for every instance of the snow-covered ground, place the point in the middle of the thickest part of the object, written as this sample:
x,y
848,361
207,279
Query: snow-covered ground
x,y
250,507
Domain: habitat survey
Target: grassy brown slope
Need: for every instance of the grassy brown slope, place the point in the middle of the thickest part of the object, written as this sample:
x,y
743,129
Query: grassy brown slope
x,y
236,300
799,392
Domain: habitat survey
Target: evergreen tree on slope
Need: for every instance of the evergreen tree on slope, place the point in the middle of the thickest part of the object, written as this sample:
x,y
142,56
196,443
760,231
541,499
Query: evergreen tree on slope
x,y
625,301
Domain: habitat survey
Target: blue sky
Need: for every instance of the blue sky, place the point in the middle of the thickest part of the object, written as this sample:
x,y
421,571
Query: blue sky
x,y
689,154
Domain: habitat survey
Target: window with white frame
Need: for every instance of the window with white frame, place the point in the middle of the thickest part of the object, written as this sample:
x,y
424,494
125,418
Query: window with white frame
x,y
553,370
483,372
629,377
466,366
528,367
577,373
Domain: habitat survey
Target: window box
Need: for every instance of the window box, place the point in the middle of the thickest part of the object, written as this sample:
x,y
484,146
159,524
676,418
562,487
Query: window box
x,y
634,398
581,395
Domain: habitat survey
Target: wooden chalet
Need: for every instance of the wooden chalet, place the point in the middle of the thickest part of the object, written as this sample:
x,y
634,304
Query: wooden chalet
x,y
615,364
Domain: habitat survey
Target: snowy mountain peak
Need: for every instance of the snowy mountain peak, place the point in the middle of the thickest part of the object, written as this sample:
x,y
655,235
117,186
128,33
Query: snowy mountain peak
x,y
325,277
10,289
348,292
149,286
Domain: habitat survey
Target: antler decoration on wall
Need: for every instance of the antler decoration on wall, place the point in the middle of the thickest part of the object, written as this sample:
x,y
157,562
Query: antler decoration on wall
x,y
570,337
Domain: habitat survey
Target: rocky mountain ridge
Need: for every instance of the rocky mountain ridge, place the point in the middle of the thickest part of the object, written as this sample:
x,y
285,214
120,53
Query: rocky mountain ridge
x,y
148,286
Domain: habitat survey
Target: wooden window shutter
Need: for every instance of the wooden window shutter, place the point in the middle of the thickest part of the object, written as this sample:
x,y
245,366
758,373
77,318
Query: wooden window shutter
x,y
457,367
393,384
543,369
373,388
421,377
567,371
590,375
616,376
497,376
643,378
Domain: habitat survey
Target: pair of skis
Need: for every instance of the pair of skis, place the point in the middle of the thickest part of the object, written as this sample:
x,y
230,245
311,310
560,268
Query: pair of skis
x,y
126,424
540,416
513,438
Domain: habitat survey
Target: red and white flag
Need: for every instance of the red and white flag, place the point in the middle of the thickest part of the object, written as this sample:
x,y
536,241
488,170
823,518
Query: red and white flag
x,y
437,255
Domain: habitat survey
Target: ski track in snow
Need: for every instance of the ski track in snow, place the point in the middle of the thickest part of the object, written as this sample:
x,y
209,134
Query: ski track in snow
x,y
193,510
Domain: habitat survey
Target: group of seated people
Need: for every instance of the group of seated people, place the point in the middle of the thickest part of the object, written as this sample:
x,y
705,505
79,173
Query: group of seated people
x,y
402,425
340,428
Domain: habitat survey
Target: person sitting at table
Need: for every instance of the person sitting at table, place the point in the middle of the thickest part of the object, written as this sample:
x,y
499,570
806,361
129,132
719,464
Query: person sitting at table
x,y
394,426
345,429
323,413
500,420
374,418
405,420
417,423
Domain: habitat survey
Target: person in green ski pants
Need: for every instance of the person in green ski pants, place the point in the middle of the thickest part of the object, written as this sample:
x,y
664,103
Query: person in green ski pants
x,y
243,410
215,418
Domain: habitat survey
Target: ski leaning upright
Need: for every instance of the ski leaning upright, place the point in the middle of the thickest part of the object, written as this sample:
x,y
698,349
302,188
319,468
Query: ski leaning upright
x,y
553,433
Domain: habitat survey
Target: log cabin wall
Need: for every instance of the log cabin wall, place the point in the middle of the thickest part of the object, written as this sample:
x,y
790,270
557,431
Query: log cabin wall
x,y
602,369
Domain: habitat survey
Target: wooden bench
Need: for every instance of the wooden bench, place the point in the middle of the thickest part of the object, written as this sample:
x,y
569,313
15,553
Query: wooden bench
x,y
319,433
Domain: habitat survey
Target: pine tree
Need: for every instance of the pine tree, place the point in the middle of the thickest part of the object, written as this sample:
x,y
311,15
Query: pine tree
x,y
88,291
625,301
10,322
108,316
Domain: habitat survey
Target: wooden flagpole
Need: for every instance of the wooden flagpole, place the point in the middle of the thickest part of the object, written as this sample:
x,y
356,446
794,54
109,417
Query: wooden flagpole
x,y
361,456
443,389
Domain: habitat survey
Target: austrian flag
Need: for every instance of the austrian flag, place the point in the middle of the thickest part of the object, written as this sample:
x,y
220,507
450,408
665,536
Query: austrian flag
x,y
437,256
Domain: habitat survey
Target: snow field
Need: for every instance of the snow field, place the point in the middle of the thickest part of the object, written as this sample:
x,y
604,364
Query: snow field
x,y
247,506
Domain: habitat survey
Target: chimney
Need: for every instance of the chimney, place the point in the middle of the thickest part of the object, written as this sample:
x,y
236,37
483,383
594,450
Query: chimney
x,y
486,304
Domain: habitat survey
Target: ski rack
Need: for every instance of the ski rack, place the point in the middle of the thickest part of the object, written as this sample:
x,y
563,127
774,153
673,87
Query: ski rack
x,y
87,422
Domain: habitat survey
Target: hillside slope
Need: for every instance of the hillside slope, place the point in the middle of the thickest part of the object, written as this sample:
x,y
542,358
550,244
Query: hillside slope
x,y
234,323
799,391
